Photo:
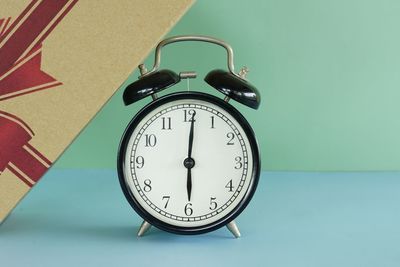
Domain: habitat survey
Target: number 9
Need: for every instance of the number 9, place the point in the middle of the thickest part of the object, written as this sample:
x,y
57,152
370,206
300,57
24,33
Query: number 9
x,y
139,162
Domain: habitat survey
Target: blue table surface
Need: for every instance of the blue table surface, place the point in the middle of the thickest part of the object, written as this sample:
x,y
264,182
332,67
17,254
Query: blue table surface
x,y
81,218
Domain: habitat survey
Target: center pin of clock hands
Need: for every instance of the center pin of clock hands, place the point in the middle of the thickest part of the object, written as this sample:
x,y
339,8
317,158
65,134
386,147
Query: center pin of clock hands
x,y
189,161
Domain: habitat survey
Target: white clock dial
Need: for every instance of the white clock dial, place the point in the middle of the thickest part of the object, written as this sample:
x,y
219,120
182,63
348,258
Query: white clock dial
x,y
221,169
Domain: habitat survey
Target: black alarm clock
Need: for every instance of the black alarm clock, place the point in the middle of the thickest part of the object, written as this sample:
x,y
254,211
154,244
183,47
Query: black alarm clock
x,y
188,162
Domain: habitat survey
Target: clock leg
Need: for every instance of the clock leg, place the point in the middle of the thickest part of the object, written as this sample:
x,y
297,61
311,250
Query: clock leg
x,y
233,228
143,228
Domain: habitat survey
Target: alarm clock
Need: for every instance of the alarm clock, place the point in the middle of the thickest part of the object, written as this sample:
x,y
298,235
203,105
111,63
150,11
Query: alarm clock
x,y
188,162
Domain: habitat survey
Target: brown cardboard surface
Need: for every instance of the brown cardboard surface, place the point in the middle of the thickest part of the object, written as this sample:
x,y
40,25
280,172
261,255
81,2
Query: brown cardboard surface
x,y
91,52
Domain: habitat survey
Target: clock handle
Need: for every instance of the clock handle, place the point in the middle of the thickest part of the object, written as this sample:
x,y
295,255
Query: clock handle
x,y
198,38
232,85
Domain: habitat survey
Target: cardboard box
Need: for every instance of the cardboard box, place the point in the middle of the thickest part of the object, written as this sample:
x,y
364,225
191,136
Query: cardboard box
x,y
60,61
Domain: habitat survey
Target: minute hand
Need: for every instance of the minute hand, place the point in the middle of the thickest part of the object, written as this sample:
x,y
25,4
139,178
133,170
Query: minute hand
x,y
191,137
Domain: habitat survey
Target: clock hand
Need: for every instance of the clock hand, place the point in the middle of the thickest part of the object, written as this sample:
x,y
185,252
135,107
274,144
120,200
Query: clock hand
x,y
189,183
191,136
189,162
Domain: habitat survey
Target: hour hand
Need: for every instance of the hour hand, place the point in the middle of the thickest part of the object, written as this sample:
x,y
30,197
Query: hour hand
x,y
189,164
189,183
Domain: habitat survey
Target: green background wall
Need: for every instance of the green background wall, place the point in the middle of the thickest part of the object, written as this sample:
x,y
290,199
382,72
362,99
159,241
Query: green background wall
x,y
328,72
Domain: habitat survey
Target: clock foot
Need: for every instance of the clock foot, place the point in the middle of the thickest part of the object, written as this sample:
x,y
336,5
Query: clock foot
x,y
143,228
233,228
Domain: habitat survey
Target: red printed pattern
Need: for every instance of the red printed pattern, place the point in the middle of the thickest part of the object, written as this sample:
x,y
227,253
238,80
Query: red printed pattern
x,y
20,73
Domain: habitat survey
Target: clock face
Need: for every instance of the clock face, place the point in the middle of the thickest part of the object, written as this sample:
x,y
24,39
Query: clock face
x,y
188,162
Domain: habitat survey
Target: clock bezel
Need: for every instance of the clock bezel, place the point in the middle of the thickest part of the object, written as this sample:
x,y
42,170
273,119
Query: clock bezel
x,y
202,228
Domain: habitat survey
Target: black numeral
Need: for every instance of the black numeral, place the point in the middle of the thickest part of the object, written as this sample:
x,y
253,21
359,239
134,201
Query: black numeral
x,y
139,162
151,140
212,122
230,186
230,136
147,185
213,204
188,209
188,115
166,123
167,201
239,163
